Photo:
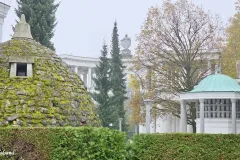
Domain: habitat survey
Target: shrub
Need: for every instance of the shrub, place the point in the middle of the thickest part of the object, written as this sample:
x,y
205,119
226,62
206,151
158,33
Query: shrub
x,y
63,143
185,147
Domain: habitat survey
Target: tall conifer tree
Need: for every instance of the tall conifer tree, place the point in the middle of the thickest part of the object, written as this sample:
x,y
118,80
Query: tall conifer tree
x,y
102,87
118,83
40,14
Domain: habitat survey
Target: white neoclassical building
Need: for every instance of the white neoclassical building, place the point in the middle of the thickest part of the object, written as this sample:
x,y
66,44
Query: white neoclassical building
x,y
4,8
85,68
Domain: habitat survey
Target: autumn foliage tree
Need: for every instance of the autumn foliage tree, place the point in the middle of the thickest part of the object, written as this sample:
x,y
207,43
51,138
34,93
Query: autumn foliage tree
x,y
231,52
175,42
138,94
135,101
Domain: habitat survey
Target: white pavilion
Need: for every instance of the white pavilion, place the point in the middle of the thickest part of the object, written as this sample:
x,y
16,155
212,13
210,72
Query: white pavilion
x,y
217,99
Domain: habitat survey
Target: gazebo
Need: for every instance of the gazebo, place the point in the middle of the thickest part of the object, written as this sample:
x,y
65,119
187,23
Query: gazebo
x,y
217,105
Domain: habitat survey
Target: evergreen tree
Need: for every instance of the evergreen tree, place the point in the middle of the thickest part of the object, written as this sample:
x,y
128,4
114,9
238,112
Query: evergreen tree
x,y
118,84
102,87
40,14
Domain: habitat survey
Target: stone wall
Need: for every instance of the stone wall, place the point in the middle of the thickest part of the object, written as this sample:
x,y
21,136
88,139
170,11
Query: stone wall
x,y
54,96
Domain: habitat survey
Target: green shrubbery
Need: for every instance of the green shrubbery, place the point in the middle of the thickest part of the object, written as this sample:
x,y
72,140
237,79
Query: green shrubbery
x,y
87,143
185,147
63,143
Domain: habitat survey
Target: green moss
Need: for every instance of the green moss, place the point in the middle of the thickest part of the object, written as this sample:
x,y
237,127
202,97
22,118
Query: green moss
x,y
50,89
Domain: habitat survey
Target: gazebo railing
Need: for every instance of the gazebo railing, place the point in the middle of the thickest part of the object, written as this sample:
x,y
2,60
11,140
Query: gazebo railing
x,y
218,108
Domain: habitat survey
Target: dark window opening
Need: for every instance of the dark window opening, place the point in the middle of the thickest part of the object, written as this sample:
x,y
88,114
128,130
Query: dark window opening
x,y
21,69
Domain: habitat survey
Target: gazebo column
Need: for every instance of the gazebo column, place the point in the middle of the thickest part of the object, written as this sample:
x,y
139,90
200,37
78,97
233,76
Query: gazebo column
x,y
233,116
201,115
183,121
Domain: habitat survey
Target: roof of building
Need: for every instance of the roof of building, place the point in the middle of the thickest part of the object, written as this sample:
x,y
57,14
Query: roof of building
x,y
217,83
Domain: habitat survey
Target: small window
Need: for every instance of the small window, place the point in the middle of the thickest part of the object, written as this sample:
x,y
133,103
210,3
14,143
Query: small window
x,y
21,66
21,69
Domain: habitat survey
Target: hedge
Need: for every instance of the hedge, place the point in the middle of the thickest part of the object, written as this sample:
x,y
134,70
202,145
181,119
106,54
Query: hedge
x,y
82,143
86,143
185,147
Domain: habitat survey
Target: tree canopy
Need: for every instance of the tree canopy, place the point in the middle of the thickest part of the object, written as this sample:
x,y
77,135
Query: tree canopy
x,y
117,76
40,14
102,88
176,42
231,52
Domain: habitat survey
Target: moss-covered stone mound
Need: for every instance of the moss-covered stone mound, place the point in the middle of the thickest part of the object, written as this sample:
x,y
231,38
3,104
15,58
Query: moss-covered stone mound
x,y
53,96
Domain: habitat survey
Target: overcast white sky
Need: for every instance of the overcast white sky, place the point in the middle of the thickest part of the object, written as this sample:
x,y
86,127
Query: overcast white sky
x,y
84,24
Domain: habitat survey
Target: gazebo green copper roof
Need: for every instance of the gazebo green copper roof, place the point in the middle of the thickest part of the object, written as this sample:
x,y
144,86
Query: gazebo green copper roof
x,y
217,83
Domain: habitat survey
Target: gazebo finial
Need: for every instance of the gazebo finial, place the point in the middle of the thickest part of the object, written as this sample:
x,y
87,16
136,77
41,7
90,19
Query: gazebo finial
x,y
217,69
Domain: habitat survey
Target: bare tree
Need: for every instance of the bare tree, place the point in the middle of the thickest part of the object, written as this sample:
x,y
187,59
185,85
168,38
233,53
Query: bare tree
x,y
176,42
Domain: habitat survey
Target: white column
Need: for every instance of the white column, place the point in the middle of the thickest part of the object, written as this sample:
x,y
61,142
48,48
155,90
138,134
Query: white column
x,y
76,70
89,83
93,76
233,116
183,121
85,78
201,115
1,26
120,124
218,108
148,104
4,8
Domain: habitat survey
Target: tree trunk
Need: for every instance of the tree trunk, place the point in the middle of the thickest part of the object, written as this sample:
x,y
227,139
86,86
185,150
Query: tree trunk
x,y
193,116
194,127
155,124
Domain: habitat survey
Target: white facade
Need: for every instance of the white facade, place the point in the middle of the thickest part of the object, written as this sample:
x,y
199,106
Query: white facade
x,y
4,8
85,68
166,124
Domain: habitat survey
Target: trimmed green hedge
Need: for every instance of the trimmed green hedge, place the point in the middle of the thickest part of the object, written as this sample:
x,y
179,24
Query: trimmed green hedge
x,y
185,147
83,143
86,143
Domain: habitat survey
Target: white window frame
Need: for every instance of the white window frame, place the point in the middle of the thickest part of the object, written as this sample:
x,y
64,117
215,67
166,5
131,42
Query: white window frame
x,y
14,60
